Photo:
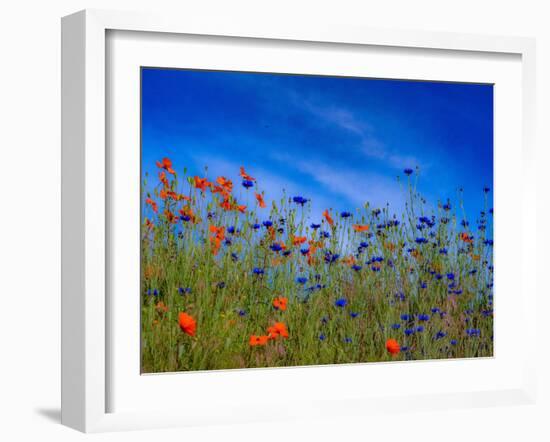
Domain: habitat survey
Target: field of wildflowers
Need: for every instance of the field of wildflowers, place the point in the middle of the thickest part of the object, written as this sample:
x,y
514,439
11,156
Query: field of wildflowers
x,y
227,285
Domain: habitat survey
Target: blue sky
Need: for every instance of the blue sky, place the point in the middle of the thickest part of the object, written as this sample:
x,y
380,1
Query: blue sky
x,y
339,141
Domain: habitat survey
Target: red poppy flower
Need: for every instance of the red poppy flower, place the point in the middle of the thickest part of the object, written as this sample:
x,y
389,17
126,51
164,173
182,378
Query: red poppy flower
x,y
225,184
166,165
297,240
393,346
187,323
153,204
360,228
201,183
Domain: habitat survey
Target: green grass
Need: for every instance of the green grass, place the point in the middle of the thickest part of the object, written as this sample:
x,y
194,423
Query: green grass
x,y
230,303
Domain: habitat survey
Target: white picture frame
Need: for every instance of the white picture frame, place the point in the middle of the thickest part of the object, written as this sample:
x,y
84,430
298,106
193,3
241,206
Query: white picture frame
x,y
85,310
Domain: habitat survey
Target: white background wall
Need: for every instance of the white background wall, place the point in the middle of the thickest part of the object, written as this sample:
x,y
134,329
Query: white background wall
x,y
30,215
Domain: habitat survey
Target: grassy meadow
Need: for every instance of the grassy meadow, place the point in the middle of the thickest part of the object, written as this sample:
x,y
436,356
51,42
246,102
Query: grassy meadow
x,y
224,285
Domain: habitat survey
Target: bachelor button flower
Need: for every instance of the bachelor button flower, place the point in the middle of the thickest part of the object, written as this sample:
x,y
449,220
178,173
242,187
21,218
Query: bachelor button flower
x,y
435,310
258,271
234,257
443,251
421,240
155,292
315,226
345,214
301,280
287,253
404,348
276,247
242,313
331,257
473,332
347,340
247,183
408,171
409,331
488,242
440,335
325,234
183,291
423,285
185,218
353,314
438,276
396,326
420,329
300,200
322,337
356,267
405,317
453,342
304,251
450,276
255,226
423,317
231,230
267,223
464,223
342,302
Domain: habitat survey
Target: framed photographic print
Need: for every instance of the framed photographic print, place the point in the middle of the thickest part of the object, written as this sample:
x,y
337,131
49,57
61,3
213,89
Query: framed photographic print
x,y
250,213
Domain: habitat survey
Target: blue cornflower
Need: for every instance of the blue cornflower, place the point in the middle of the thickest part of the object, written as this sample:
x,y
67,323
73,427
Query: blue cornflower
x,y
247,183
364,244
301,280
440,335
322,337
287,252
315,226
473,332
396,326
221,285
255,226
408,171
453,342
184,290
342,302
234,256
356,267
423,317
231,230
155,292
227,242
331,257
267,223
347,340
353,314
276,247
242,313
300,200
304,251
404,348
488,242
464,223
447,206
420,329
185,218
436,310
409,331
423,285
345,214
450,276
443,251
421,240
405,317
325,234
438,276
258,271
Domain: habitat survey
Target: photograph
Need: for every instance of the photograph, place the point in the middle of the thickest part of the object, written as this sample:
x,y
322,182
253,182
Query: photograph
x,y
302,220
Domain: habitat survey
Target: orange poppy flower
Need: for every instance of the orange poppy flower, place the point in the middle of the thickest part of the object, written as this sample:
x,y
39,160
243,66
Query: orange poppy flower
x,y
161,307
241,209
226,184
297,240
349,260
258,340
328,217
187,323
153,204
393,346
390,246
218,235
246,176
166,165
466,238
272,233
226,204
260,199
201,183
149,224
360,228
163,179
170,217
280,303
276,330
